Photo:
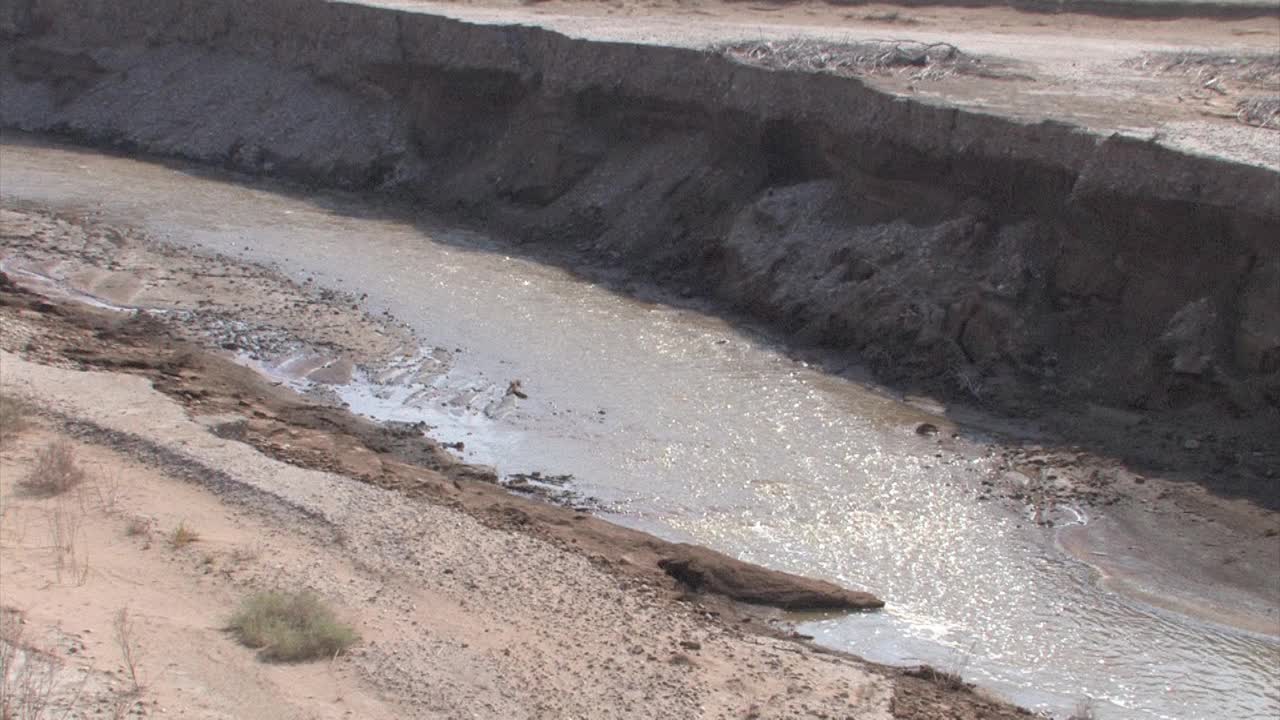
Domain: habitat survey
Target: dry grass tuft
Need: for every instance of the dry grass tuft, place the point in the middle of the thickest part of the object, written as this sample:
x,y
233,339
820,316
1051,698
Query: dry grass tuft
x,y
15,416
55,471
246,553
922,61
1083,711
1261,112
182,536
951,678
126,640
69,553
1207,66
893,18
107,487
31,685
290,627
138,527
945,679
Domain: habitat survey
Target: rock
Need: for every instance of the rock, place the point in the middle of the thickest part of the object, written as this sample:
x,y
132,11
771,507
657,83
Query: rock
x,y
926,429
1257,340
984,326
338,372
1015,478
706,570
1113,416
1188,339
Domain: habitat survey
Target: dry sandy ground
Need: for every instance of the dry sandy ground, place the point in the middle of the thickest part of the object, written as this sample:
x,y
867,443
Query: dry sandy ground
x,y
1108,74
460,616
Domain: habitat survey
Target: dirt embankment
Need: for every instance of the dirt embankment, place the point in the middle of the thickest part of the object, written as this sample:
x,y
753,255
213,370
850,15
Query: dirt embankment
x,y
1035,269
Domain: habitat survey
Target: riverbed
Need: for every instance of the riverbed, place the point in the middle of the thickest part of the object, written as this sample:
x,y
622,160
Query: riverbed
x,y
681,423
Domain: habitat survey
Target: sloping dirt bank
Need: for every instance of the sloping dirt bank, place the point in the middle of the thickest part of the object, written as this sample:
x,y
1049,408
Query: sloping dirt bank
x,y
1033,268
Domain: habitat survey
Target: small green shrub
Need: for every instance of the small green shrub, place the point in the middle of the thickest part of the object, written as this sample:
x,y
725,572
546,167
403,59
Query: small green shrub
x,y
290,627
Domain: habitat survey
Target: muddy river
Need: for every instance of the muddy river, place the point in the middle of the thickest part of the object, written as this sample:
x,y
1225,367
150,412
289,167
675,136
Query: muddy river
x,y
676,422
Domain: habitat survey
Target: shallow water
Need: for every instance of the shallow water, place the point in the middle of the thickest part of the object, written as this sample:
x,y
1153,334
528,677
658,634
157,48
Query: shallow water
x,y
694,430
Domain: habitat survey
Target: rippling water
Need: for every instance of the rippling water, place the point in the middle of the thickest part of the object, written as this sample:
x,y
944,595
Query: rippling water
x,y
696,431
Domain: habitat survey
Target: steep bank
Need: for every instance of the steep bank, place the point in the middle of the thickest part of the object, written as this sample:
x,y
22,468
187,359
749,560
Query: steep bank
x,y
1021,266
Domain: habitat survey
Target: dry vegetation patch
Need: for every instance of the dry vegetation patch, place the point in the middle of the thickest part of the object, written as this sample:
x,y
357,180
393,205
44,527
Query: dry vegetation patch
x,y
1260,111
1255,75
893,18
290,627
182,536
1083,711
15,416
138,527
1207,65
919,60
32,682
55,472
946,679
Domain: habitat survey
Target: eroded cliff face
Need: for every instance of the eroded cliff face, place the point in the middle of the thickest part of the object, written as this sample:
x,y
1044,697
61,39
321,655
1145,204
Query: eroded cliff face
x,y
1022,264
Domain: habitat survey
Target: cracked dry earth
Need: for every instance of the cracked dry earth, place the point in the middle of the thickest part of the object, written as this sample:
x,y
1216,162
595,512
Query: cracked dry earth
x,y
459,619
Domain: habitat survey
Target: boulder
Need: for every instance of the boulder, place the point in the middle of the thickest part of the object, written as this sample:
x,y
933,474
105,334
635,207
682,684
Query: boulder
x,y
706,570
1257,341
1188,339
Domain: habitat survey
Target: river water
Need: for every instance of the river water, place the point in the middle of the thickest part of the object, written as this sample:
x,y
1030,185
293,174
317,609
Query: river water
x,y
682,425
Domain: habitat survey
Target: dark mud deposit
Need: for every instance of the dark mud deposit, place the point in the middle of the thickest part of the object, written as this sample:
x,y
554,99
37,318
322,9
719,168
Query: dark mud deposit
x,y
1035,269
